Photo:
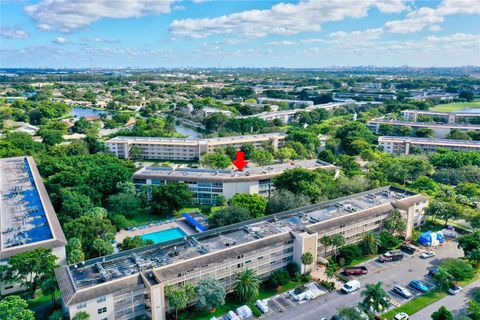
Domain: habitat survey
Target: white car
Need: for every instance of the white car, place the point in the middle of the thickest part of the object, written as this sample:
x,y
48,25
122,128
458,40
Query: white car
x,y
351,286
427,254
401,316
454,289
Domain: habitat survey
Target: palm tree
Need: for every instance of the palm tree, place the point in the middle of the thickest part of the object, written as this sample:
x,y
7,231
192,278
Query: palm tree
x,y
326,241
307,259
370,243
246,285
443,277
395,223
178,297
374,297
48,287
338,241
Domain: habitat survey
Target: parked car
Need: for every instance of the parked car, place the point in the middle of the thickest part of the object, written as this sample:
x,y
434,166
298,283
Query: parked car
x,y
403,292
408,249
354,271
454,289
389,256
432,272
427,254
401,316
418,285
351,286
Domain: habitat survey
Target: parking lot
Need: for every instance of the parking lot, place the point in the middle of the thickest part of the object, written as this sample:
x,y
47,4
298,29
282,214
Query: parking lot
x,y
390,273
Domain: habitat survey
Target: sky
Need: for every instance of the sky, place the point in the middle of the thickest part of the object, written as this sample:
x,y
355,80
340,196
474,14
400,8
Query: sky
x,y
238,33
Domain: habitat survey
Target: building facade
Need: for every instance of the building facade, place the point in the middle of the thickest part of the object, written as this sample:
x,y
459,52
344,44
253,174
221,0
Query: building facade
x,y
132,283
441,130
446,117
208,184
154,148
405,145
27,218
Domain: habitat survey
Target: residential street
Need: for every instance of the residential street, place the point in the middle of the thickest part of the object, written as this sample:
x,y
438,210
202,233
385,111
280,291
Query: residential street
x,y
457,304
392,273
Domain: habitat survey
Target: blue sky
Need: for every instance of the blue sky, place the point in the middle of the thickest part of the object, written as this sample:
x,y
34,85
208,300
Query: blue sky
x,y
239,33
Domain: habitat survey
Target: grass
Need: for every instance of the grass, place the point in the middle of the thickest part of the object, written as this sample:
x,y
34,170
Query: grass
x,y
360,260
424,300
232,304
450,107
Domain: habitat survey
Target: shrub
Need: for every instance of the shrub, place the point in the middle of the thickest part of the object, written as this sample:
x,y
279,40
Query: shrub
x,y
348,253
307,277
256,312
330,285
459,269
388,241
279,278
293,268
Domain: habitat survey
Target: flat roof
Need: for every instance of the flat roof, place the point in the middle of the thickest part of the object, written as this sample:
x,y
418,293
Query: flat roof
x,y
27,217
426,124
474,112
248,174
253,233
471,143
128,139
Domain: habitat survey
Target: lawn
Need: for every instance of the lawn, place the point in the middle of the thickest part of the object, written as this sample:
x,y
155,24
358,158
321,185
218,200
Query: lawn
x,y
450,107
232,304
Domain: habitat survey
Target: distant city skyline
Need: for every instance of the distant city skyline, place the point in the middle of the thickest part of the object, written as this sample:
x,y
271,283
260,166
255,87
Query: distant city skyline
x,y
224,34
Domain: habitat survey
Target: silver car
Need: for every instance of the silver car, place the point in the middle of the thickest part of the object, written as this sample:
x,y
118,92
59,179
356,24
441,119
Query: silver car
x,y
402,291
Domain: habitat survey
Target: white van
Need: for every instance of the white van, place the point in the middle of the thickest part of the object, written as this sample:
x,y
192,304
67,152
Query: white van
x,y
351,286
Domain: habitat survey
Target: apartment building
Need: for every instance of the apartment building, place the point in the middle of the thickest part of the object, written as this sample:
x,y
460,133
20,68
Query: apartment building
x,y
405,145
132,283
27,218
441,130
208,184
186,149
446,117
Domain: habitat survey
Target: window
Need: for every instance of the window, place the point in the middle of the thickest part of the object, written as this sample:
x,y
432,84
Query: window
x,y
9,287
101,299
102,310
81,305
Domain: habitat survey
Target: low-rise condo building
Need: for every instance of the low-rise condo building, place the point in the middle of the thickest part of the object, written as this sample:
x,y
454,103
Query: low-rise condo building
x,y
27,218
132,283
208,184
154,148
405,145
467,116
441,130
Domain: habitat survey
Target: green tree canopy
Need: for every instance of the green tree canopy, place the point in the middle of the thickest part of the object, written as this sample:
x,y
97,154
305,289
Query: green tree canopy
x,y
229,215
210,294
170,197
254,203
246,285
15,308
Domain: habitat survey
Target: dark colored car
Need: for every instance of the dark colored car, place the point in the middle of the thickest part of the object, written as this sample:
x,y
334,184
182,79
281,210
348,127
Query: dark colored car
x,y
355,271
394,255
408,249
432,272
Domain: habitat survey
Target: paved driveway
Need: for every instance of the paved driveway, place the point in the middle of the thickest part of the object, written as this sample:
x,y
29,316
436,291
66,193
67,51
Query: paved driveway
x,y
389,273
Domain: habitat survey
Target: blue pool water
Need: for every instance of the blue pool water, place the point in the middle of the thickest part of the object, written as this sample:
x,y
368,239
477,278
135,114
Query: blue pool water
x,y
164,235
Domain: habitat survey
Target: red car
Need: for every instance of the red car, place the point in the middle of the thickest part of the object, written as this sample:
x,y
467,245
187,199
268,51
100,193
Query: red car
x,y
355,271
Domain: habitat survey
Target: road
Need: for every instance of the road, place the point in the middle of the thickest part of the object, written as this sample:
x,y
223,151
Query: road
x,y
393,273
457,304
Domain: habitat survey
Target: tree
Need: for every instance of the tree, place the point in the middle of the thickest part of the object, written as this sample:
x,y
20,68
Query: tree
x,y
134,242
388,241
348,253
338,241
210,294
473,310
229,215
247,150
246,285
15,308
370,243
283,200
75,204
374,297
395,223
136,152
326,241
82,315
48,288
81,125
30,268
216,160
443,277
102,247
425,185
279,278
467,95
442,314
124,203
286,153
353,131
254,203
261,157
171,197
179,296
307,260
460,270
351,313
56,315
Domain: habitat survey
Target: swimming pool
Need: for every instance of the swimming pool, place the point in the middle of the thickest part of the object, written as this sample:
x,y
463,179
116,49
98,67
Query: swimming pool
x,y
164,235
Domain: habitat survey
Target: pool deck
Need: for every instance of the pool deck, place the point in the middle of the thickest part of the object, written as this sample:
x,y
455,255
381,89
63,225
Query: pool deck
x,y
181,223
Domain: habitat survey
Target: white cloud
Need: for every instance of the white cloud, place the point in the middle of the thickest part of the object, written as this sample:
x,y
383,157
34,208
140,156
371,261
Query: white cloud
x,y
68,15
282,18
435,28
281,43
13,33
60,40
102,40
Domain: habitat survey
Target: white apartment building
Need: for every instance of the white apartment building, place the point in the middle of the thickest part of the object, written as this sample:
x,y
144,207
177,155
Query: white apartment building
x,y
186,149
447,117
27,218
132,283
208,184
404,145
